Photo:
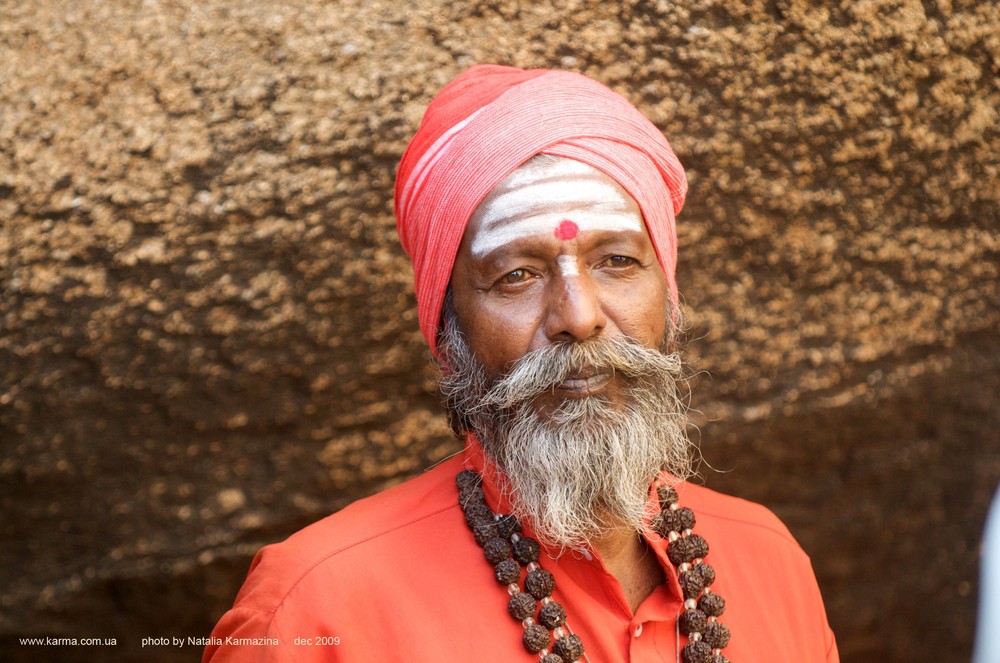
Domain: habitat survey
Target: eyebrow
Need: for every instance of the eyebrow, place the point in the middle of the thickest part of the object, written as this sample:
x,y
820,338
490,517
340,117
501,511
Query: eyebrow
x,y
513,250
519,249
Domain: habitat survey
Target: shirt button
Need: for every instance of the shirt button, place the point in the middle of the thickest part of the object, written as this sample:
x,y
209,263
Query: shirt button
x,y
638,630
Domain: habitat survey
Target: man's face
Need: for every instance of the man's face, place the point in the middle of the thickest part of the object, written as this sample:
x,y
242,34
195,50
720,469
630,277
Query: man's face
x,y
552,342
557,252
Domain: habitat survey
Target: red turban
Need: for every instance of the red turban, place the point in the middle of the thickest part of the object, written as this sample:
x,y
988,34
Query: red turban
x,y
490,120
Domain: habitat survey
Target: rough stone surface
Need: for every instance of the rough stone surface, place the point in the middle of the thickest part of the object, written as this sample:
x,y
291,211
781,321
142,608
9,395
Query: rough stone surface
x,y
207,328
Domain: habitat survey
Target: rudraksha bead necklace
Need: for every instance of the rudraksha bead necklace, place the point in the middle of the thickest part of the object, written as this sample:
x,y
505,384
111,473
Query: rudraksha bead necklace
x,y
707,636
544,619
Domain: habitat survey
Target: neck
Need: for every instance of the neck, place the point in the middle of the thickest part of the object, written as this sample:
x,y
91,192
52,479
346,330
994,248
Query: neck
x,y
628,558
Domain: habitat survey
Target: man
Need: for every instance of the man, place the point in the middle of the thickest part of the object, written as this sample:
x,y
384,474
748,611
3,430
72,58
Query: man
x,y
538,208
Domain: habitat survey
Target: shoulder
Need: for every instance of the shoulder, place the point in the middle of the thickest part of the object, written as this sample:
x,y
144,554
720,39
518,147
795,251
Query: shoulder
x,y
374,529
752,523
351,576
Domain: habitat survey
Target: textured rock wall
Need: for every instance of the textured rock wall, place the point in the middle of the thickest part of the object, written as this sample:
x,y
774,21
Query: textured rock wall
x,y
208,330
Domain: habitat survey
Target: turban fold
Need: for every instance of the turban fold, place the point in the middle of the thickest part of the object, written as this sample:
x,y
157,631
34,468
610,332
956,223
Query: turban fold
x,y
491,119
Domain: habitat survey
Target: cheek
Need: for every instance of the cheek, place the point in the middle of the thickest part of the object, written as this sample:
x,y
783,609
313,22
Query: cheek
x,y
499,335
643,312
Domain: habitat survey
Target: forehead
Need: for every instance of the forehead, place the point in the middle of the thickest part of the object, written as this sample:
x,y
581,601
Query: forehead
x,y
551,196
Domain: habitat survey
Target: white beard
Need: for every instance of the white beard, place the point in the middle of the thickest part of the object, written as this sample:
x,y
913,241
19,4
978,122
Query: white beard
x,y
584,467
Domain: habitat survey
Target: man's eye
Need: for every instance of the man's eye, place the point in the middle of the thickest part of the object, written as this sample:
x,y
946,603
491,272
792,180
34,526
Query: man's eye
x,y
620,261
514,277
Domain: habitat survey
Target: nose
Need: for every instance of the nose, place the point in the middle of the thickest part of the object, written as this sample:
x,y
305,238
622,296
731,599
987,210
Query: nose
x,y
575,310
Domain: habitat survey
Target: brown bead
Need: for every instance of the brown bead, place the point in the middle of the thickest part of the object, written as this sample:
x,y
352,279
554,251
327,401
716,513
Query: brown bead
x,y
527,550
691,584
716,635
681,551
497,550
477,513
484,532
551,658
656,524
485,527
521,606
536,638
507,525
706,572
568,647
469,494
699,545
719,658
552,615
693,621
696,652
686,517
666,522
467,478
507,571
667,496
540,583
712,604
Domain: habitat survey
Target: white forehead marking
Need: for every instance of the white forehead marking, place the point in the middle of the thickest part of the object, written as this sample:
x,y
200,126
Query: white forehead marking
x,y
512,211
567,265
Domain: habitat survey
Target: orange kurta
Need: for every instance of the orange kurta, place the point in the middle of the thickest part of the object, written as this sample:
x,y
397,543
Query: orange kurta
x,y
399,577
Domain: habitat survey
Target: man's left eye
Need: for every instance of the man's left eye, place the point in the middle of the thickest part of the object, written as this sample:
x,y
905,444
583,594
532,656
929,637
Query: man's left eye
x,y
620,261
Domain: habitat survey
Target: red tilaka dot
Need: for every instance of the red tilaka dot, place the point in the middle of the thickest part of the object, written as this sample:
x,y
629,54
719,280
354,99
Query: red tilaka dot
x,y
567,229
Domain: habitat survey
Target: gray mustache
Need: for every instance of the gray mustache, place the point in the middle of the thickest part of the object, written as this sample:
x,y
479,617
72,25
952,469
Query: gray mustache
x,y
544,369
